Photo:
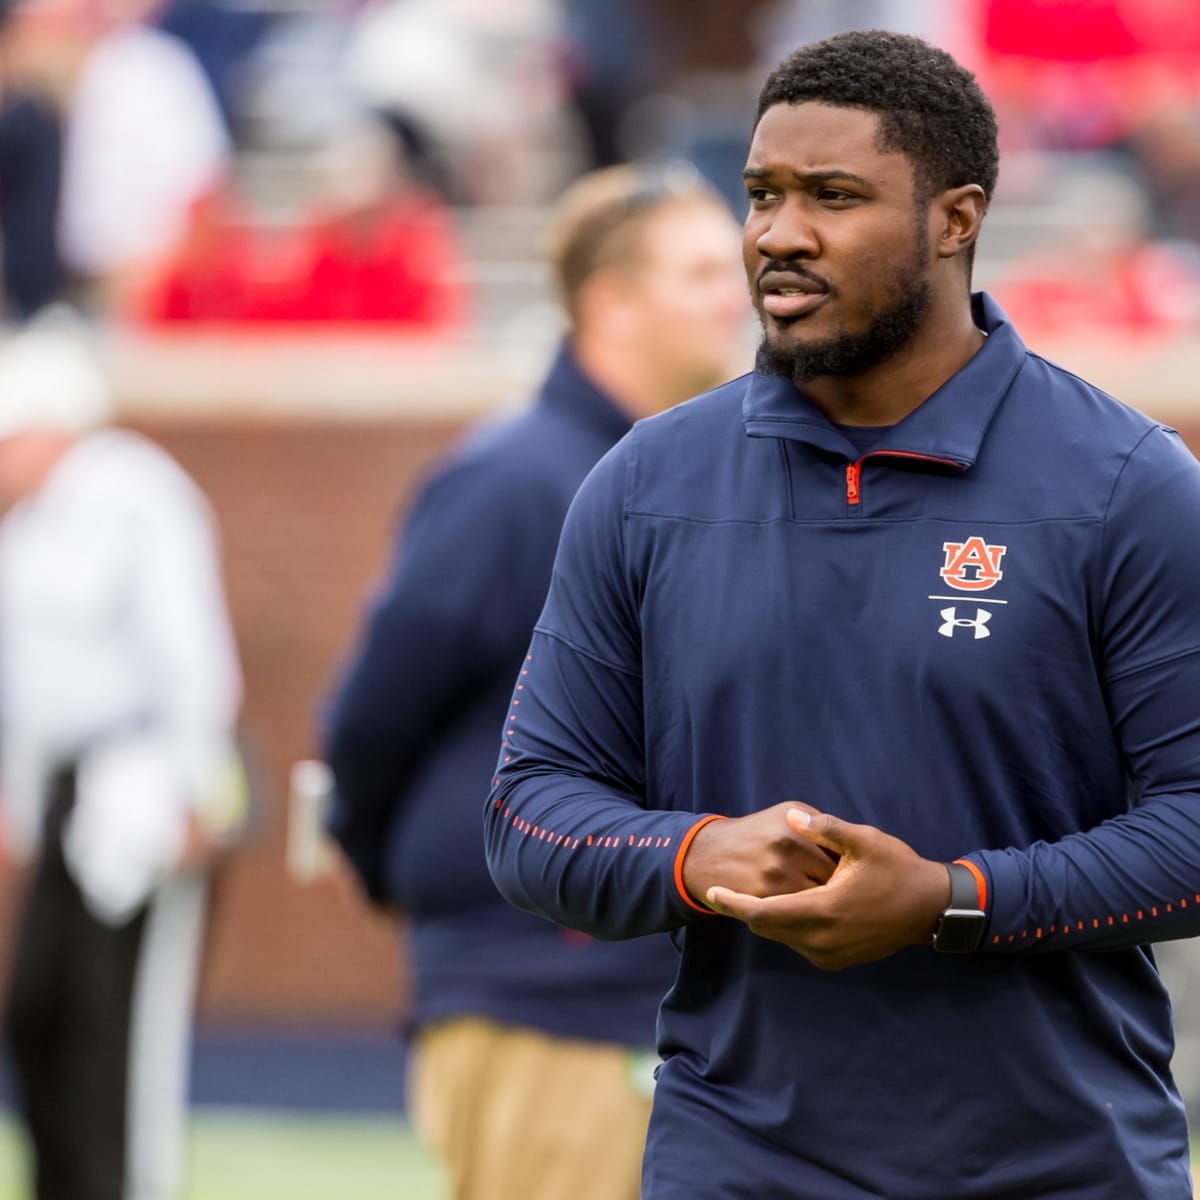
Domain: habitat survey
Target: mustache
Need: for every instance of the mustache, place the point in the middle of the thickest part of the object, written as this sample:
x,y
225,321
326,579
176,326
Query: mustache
x,y
789,275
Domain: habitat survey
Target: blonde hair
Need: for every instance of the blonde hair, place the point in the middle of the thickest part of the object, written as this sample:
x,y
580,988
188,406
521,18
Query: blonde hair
x,y
599,220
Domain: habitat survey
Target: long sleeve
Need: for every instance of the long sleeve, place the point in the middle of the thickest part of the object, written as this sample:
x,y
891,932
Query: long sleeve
x,y
438,626
30,167
568,831
184,634
116,627
1136,877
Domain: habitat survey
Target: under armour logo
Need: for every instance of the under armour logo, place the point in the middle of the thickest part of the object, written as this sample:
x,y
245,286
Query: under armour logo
x,y
952,621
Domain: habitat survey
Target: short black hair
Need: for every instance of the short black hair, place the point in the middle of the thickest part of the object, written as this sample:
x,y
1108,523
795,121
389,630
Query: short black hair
x,y
930,107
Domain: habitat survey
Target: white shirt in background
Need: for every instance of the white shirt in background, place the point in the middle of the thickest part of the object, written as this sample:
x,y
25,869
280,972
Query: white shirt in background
x,y
144,138
116,655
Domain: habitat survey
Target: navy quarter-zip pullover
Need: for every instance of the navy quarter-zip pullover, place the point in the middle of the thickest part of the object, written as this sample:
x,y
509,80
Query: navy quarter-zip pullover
x,y
411,728
981,636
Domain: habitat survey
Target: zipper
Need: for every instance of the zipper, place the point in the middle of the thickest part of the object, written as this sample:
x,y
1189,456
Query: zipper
x,y
854,469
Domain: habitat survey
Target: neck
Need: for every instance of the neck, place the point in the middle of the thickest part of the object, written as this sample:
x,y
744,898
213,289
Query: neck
x,y
889,391
29,459
634,385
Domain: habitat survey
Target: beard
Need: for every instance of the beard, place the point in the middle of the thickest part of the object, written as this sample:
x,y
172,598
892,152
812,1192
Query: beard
x,y
890,330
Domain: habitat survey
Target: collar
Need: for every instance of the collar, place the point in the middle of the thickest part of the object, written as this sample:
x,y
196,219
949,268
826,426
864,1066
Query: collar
x,y
567,389
949,426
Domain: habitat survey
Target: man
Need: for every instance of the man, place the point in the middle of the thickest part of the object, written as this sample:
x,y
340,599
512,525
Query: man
x,y
906,595
119,689
132,171
30,166
525,1080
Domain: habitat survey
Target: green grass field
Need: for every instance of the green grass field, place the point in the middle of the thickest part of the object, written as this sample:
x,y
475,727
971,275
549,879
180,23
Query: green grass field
x,y
266,1155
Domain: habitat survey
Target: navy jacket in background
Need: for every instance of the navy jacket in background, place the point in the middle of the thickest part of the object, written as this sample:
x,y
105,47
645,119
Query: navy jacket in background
x,y
983,637
30,171
412,731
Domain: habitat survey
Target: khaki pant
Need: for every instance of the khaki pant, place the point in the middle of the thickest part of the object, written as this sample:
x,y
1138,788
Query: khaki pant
x,y
518,1115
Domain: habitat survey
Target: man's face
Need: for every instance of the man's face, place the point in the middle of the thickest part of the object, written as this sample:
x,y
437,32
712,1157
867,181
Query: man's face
x,y
690,295
26,458
837,254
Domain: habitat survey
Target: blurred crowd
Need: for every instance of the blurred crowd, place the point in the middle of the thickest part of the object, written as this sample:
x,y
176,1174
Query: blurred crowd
x,y
256,165
283,161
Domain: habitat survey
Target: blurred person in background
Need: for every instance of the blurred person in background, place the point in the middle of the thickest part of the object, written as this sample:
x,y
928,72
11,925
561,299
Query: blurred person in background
x,y
376,245
708,79
678,78
612,60
1163,150
144,138
471,86
1105,274
525,1074
371,245
1080,77
30,178
223,35
664,79
119,691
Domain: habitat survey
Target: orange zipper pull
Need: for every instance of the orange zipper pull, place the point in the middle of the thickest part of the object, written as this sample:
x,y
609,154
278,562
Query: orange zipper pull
x,y
852,482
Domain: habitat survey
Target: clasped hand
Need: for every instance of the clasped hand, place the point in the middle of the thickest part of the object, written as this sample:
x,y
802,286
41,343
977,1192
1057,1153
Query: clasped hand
x,y
837,893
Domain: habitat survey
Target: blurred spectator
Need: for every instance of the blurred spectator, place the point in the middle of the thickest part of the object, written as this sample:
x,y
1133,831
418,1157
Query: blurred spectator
x,y
369,247
666,79
219,271
1164,149
476,84
222,34
144,140
1079,75
30,175
612,61
1103,275
375,247
679,78
119,689
524,1078
709,84
292,90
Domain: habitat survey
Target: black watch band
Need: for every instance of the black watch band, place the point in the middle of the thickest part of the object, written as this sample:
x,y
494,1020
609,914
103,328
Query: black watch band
x,y
960,928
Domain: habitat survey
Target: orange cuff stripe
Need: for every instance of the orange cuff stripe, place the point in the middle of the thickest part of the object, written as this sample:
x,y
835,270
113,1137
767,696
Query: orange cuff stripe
x,y
980,881
679,857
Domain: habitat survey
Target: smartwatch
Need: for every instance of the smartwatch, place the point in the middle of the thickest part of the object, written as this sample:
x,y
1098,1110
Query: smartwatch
x,y
960,928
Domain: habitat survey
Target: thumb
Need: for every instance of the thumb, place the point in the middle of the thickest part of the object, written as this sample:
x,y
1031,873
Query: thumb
x,y
826,830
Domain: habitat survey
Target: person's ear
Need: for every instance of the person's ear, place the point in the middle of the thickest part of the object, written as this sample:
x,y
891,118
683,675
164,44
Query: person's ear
x,y
958,215
605,299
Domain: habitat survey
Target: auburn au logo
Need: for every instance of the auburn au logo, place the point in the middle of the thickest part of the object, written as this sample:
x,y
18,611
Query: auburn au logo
x,y
973,565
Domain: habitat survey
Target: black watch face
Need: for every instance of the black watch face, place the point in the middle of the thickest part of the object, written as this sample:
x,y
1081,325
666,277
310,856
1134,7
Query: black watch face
x,y
959,931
